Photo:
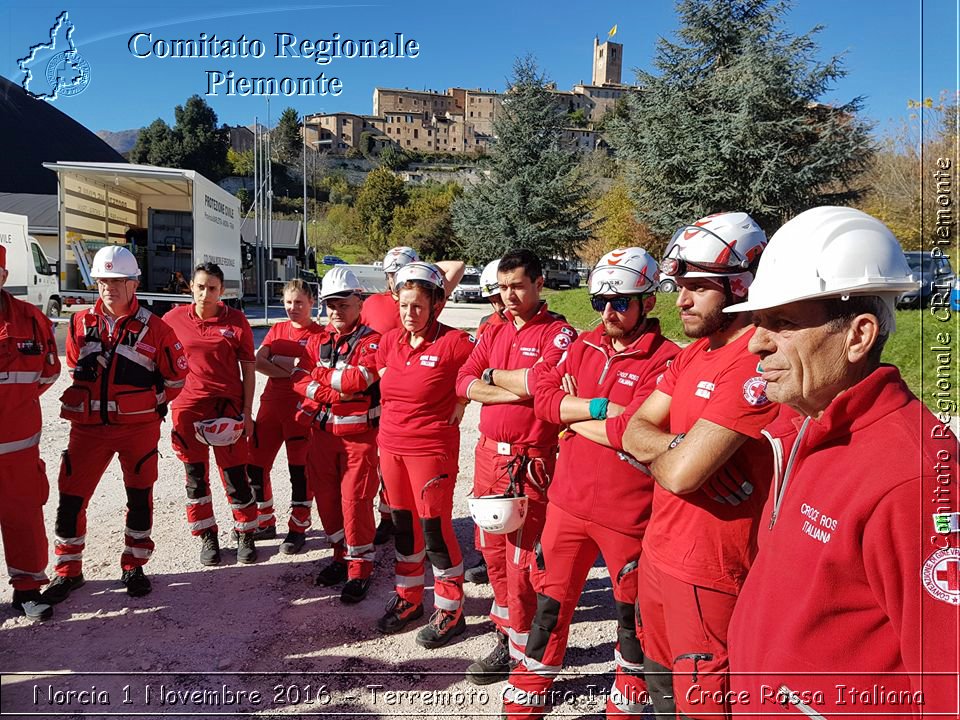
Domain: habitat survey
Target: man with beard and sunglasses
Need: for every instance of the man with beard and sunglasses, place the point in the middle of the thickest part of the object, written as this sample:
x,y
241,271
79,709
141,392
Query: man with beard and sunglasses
x,y
700,434
599,498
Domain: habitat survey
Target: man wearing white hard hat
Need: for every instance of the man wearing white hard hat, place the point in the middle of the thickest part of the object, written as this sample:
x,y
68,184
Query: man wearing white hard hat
x,y
700,434
29,365
126,365
851,606
599,498
338,381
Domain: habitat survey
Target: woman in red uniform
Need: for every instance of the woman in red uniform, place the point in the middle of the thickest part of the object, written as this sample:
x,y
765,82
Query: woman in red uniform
x,y
215,408
276,424
419,450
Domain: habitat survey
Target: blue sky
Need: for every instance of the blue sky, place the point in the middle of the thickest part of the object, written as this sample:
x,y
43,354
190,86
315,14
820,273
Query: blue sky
x,y
894,49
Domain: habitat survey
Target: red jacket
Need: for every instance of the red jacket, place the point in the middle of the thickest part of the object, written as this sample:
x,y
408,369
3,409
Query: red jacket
x,y
29,365
487,322
542,342
122,374
592,481
334,366
854,589
381,312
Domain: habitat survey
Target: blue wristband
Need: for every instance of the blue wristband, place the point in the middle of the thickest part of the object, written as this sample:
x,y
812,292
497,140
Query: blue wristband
x,y
598,408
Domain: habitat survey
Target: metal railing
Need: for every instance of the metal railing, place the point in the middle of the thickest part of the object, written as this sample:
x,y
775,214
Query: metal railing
x,y
267,296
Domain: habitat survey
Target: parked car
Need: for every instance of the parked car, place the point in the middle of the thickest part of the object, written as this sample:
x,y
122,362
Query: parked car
x,y
468,290
667,284
333,260
557,273
935,276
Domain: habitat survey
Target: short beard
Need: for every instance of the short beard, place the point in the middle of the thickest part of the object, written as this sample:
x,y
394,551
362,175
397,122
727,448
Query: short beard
x,y
711,324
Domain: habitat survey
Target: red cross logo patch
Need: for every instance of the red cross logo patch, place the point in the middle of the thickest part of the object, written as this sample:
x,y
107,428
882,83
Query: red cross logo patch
x,y
755,391
941,575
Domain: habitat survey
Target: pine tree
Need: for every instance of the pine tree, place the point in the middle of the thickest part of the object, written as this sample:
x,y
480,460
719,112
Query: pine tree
x,y
287,142
193,143
534,196
733,121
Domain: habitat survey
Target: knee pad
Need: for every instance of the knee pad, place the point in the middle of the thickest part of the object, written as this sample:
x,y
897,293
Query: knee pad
x,y
436,545
68,511
298,482
627,633
660,686
196,480
139,515
544,623
403,531
237,486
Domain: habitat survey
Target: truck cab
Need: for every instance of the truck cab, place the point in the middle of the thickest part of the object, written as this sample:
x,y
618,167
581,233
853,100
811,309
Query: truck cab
x,y
31,276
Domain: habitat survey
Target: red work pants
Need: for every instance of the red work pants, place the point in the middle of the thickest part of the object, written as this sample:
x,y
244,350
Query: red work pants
x,y
231,462
23,492
343,478
89,451
509,557
276,425
420,492
685,633
569,547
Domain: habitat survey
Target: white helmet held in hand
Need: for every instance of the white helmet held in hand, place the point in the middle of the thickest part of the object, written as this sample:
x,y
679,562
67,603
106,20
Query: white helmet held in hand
x,y
398,257
339,282
489,285
423,272
115,261
219,431
498,514
829,252
625,271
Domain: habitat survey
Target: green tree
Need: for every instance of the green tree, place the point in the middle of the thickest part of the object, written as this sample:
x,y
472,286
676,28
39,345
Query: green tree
x,y
157,145
381,193
243,195
203,145
617,226
534,196
241,163
425,222
734,121
287,141
338,225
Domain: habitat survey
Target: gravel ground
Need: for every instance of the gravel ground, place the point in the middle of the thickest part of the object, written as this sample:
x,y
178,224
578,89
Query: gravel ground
x,y
206,639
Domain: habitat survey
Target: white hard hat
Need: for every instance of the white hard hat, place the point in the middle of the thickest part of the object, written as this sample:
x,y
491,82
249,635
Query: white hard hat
x,y
219,431
114,261
489,285
339,282
829,252
498,514
718,245
398,257
420,271
625,271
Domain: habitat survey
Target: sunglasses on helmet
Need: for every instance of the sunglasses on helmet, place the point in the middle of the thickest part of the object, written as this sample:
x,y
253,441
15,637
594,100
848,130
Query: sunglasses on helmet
x,y
618,303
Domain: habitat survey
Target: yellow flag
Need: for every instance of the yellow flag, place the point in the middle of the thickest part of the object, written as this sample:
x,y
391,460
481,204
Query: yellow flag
x,y
613,31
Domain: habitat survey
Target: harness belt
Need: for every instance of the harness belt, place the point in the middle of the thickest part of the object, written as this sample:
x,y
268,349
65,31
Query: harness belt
x,y
505,448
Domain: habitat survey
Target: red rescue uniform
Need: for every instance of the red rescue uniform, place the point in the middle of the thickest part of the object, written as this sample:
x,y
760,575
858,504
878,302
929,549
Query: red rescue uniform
x,y
277,425
381,312
697,550
419,452
855,588
515,443
29,365
215,348
487,322
339,384
125,371
599,501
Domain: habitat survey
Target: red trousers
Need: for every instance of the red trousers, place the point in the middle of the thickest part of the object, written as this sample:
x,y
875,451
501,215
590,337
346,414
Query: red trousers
x,y
569,547
343,478
685,632
89,451
510,557
231,462
420,492
23,492
276,426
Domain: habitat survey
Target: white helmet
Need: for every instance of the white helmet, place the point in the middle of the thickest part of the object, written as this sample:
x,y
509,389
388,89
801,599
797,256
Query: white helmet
x,y
829,252
339,282
625,271
219,431
115,261
489,285
398,257
498,514
424,272
724,245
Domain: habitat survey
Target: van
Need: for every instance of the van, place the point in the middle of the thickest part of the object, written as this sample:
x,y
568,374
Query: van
x,y
31,276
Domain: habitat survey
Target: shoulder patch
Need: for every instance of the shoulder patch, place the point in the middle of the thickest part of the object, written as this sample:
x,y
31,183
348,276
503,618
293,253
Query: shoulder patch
x,y
373,346
941,575
755,391
182,362
562,341
567,331
472,339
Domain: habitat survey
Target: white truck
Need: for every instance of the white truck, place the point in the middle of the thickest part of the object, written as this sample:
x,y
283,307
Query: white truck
x,y
171,219
31,276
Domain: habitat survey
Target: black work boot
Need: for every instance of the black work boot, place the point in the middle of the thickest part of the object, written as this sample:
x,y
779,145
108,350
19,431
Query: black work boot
x,y
355,590
136,582
399,613
494,667
334,573
444,625
384,530
210,548
293,543
246,549
60,588
30,604
266,533
477,574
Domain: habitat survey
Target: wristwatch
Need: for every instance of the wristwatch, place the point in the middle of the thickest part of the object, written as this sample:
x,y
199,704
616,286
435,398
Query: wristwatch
x,y
487,376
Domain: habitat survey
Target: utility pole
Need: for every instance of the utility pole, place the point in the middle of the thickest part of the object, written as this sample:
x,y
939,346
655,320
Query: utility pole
x,y
306,236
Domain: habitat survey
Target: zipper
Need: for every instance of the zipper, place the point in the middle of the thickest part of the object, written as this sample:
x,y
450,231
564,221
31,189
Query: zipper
x,y
787,471
121,328
609,359
792,698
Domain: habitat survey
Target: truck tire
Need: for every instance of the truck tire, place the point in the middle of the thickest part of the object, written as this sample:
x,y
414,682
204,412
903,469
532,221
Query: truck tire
x,y
53,308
